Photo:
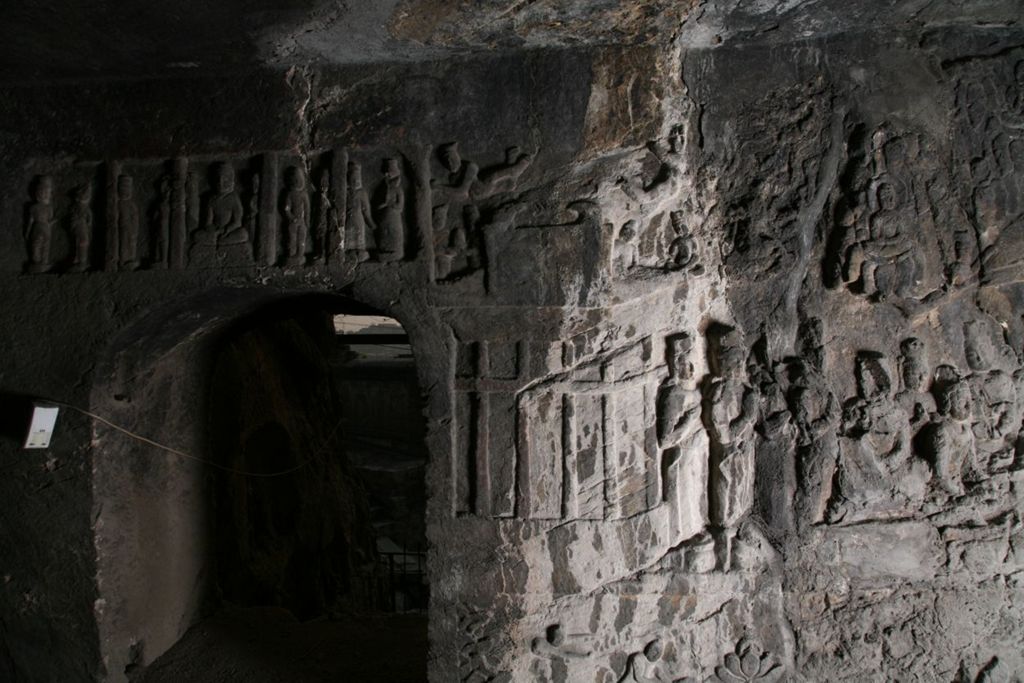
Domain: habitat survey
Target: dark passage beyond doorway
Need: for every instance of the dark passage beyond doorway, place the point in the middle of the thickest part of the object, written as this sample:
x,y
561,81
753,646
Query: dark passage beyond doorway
x,y
320,569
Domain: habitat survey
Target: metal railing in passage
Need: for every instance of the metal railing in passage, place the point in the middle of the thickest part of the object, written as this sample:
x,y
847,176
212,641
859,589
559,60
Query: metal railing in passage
x,y
404,587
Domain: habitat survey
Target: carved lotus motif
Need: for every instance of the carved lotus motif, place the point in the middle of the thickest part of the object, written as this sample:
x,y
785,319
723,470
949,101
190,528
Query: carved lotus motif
x,y
749,662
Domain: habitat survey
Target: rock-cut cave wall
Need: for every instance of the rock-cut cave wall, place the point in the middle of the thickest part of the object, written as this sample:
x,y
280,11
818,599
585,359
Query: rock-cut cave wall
x,y
720,347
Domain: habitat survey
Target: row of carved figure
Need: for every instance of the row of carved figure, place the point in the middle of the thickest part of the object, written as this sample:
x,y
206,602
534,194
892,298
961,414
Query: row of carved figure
x,y
878,455
186,229
225,225
179,226
748,662
712,422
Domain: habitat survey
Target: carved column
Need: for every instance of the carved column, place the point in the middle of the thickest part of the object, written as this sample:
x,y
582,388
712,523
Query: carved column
x,y
178,246
112,243
339,195
268,242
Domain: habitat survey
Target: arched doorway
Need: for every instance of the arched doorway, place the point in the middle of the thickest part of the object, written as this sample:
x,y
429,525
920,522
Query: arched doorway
x,y
267,553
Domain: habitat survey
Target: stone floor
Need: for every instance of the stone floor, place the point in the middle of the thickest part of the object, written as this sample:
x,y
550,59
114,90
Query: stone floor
x,y
268,645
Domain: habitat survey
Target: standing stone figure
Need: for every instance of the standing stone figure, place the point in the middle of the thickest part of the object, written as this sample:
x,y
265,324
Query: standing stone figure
x,y
950,438
296,213
39,226
997,412
324,212
914,398
128,222
358,220
626,250
730,411
449,192
775,437
683,443
391,208
817,414
81,227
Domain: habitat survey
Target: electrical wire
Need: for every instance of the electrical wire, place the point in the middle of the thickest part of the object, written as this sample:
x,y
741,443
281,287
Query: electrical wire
x,y
189,456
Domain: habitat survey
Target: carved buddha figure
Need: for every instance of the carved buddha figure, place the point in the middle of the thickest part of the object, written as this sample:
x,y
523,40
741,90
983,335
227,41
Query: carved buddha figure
x,y
875,419
391,208
817,414
730,410
682,442
682,251
326,219
224,211
296,213
883,257
39,227
358,220
678,402
950,438
879,476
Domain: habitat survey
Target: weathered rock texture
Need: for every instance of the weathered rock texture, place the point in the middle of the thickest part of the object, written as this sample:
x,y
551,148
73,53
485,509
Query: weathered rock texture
x,y
719,328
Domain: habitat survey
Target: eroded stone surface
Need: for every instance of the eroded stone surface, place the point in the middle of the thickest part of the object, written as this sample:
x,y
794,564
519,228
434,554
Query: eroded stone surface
x,y
720,339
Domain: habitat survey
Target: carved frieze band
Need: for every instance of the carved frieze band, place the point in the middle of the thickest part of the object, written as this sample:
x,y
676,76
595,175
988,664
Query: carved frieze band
x,y
269,210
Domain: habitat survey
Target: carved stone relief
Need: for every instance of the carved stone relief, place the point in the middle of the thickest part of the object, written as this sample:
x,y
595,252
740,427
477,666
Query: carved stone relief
x,y
39,225
273,210
468,205
899,235
989,139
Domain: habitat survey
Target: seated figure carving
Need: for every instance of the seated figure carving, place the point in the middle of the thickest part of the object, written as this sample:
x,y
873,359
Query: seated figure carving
x,y
878,255
222,222
682,250
879,475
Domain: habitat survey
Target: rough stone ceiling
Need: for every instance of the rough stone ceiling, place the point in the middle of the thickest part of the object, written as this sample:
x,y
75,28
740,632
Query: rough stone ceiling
x,y
54,39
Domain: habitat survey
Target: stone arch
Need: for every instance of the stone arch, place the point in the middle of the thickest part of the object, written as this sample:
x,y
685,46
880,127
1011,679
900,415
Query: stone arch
x,y
150,522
